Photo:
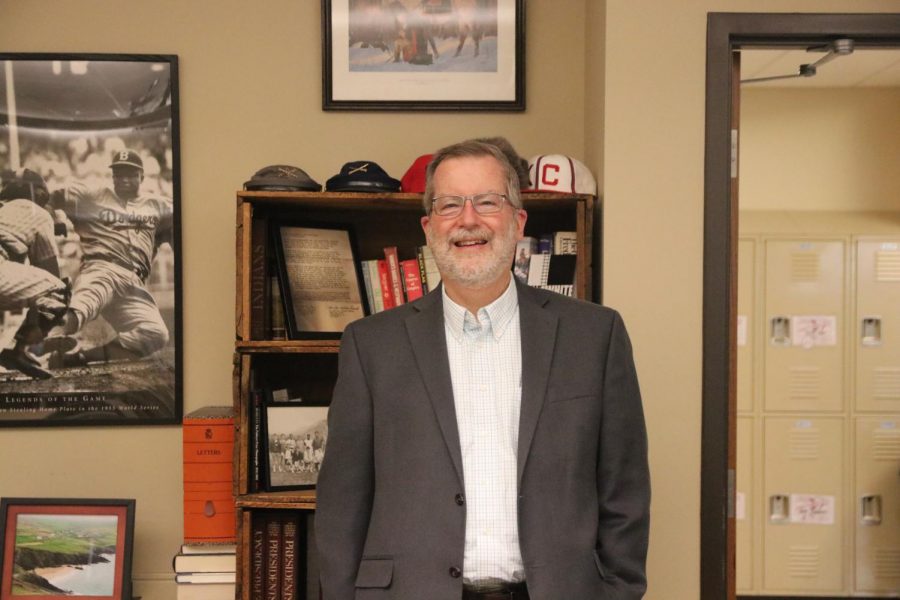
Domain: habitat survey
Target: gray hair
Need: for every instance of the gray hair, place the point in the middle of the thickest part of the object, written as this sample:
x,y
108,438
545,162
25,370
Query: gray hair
x,y
474,149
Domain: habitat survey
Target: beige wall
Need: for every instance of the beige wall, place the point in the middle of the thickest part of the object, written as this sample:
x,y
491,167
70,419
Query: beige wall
x,y
820,149
250,96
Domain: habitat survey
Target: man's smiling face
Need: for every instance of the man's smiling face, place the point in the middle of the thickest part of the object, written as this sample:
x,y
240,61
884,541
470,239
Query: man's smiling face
x,y
473,250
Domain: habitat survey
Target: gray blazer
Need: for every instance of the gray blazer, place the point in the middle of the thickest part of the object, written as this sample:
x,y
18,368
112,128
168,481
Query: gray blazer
x,y
390,519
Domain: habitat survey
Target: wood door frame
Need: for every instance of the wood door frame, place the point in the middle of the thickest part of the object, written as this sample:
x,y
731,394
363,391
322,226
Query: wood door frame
x,y
727,32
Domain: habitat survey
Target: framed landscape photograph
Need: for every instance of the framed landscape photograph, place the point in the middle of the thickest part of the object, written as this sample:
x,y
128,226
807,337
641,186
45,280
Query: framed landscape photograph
x,y
423,55
320,279
294,445
63,547
90,313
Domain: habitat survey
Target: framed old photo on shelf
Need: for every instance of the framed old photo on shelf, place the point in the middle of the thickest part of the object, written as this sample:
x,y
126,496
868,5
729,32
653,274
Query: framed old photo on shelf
x,y
423,55
294,445
321,281
63,547
90,309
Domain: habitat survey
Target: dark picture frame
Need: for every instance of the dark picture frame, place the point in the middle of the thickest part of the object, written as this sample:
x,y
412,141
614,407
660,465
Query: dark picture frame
x,y
70,118
320,278
421,55
295,438
49,548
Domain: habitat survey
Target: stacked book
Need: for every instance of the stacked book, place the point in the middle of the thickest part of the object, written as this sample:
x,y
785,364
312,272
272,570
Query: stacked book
x,y
205,572
283,562
392,281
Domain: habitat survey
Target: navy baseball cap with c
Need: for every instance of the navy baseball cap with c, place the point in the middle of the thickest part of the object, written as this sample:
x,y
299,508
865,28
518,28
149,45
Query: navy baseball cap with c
x,y
128,158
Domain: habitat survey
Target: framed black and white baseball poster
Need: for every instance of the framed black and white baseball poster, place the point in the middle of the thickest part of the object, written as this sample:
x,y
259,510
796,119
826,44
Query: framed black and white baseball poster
x,y
90,265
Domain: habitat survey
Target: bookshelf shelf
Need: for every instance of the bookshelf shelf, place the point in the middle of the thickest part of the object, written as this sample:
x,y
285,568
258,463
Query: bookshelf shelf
x,y
308,368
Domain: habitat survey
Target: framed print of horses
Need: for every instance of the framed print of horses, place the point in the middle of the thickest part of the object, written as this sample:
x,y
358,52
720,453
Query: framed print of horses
x,y
440,55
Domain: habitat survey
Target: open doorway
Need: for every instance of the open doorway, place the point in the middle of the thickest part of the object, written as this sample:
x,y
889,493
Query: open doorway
x,y
727,33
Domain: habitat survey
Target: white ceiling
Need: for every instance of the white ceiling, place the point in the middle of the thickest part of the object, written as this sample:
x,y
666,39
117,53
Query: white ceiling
x,y
863,68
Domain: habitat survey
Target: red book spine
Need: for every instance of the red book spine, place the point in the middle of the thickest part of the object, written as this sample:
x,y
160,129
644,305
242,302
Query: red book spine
x,y
393,264
387,291
412,280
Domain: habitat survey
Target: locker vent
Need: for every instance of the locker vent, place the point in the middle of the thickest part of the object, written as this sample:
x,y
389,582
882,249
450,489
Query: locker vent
x,y
886,384
805,383
886,445
887,265
804,444
804,267
886,563
803,561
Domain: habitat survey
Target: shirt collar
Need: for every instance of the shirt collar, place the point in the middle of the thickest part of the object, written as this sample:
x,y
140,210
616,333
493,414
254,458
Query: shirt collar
x,y
497,315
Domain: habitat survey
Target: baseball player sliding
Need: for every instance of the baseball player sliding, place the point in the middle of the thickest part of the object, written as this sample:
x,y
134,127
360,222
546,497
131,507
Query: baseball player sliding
x,y
120,230
29,270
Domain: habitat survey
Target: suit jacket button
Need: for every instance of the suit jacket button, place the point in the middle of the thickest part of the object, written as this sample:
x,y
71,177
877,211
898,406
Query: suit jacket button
x,y
455,572
460,499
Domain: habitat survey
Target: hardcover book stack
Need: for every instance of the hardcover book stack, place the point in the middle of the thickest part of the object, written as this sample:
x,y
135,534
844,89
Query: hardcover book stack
x,y
205,571
282,557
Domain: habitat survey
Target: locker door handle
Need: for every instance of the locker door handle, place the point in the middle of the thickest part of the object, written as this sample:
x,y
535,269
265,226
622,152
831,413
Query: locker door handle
x,y
780,333
871,331
779,508
870,510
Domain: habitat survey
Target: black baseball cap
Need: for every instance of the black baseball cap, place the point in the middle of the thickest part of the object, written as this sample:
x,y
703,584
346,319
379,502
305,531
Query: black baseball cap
x,y
128,158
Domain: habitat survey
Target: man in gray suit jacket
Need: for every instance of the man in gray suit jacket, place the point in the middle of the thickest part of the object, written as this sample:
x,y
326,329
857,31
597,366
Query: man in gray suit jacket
x,y
487,441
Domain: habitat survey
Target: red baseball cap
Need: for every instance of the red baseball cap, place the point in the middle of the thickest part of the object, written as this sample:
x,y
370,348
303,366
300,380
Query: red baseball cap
x,y
413,181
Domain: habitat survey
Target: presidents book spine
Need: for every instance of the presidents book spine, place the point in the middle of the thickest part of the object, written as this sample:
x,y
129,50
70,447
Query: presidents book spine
x,y
258,558
273,558
290,566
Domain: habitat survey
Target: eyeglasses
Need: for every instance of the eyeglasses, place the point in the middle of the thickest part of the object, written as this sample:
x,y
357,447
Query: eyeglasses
x,y
486,203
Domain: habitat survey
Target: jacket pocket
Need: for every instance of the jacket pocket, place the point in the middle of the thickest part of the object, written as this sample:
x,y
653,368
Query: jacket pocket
x,y
570,398
375,573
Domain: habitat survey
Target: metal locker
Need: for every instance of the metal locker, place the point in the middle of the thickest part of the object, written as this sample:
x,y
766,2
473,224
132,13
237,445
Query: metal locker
x,y
877,512
746,323
803,549
804,308
877,325
745,503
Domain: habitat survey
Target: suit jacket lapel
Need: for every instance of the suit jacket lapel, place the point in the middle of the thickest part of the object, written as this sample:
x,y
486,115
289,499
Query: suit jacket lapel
x,y
426,334
538,332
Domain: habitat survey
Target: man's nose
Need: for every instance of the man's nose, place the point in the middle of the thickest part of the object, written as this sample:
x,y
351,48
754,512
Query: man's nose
x,y
468,214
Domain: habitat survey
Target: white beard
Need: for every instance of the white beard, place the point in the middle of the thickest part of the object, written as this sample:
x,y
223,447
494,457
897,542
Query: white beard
x,y
480,271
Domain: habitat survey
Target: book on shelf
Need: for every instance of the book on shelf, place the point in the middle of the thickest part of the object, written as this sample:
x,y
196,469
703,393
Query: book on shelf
x,y
525,247
223,577
395,277
545,243
255,458
367,283
208,548
565,242
290,551
205,591
278,329
272,585
259,286
412,280
555,272
432,274
387,289
257,556
204,563
375,281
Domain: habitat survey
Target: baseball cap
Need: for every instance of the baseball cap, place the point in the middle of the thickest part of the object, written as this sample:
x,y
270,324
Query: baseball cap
x,y
413,180
560,173
282,178
127,158
362,176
